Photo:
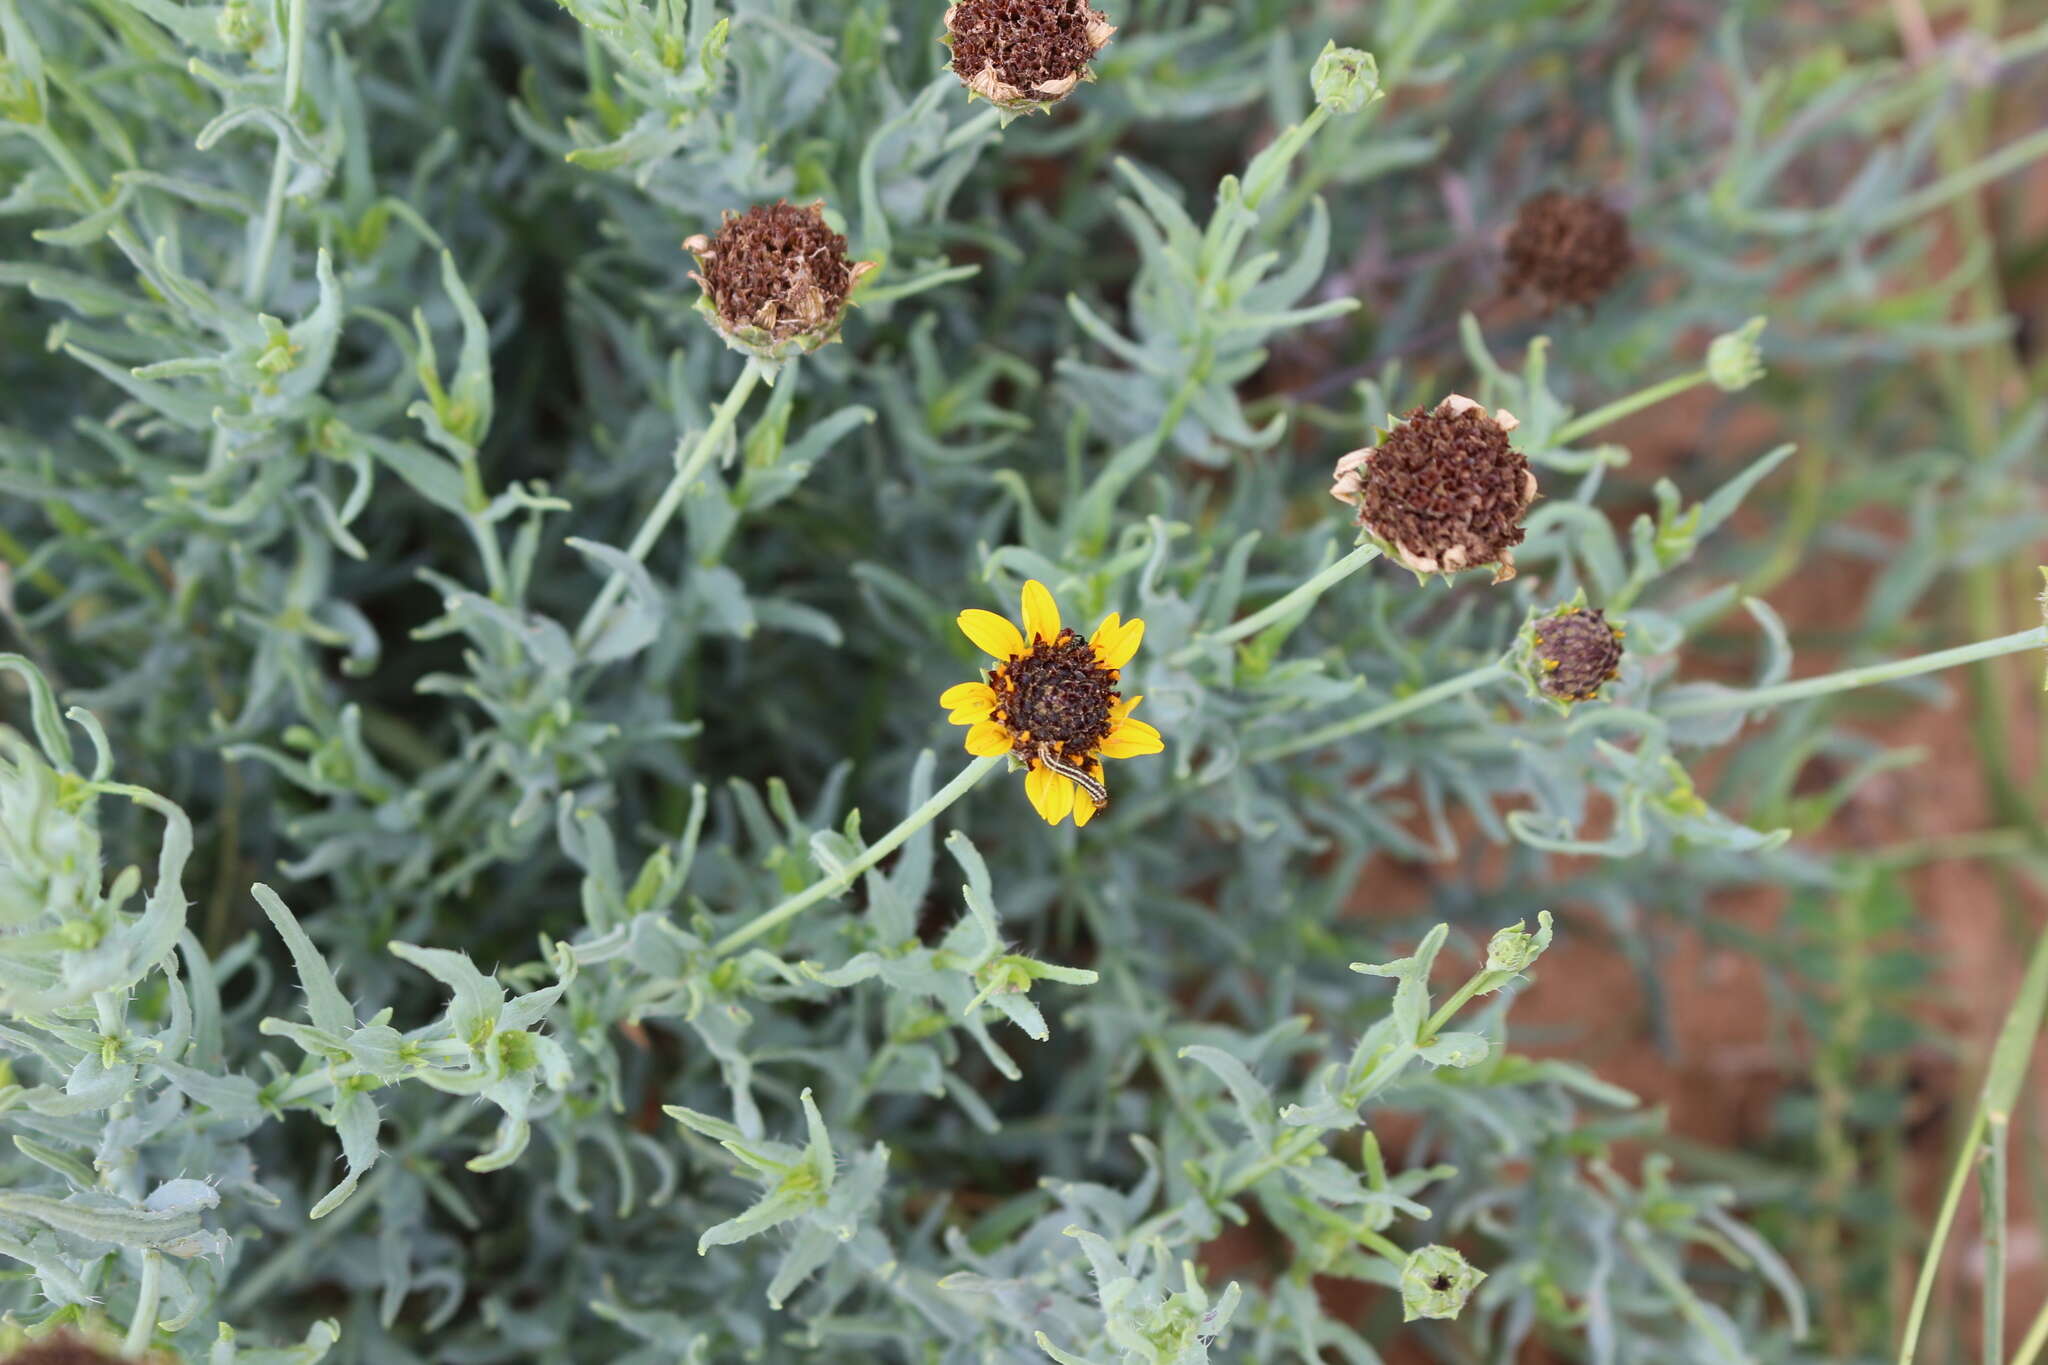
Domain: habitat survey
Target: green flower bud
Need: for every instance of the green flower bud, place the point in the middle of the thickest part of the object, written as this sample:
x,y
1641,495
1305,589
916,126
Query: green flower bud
x,y
1436,1282
1346,79
1734,360
1512,950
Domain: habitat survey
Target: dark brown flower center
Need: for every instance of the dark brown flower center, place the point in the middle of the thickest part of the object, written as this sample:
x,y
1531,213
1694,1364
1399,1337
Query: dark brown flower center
x,y
1058,693
1578,652
780,258
1446,479
1029,42
1567,248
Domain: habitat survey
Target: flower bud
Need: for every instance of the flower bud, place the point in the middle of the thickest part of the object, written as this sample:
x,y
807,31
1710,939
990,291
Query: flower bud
x,y
1346,79
1571,653
1567,249
1024,55
1734,360
1513,950
1443,490
1435,1283
776,280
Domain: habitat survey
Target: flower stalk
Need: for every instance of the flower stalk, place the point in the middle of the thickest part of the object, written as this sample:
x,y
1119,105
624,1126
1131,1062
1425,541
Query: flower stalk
x,y
826,887
688,470
1849,678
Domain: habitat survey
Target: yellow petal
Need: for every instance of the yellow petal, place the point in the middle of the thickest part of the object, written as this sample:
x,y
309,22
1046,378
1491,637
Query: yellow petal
x,y
1117,647
1107,631
1041,613
988,738
1052,796
968,702
1118,710
1084,809
1130,739
991,633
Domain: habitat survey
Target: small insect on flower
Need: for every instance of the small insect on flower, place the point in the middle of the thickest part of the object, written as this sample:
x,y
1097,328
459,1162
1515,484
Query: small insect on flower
x,y
1024,55
1567,249
1051,701
776,280
1571,653
1443,490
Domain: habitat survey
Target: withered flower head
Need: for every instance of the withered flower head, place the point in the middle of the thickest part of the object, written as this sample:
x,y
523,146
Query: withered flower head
x,y
1443,490
1568,249
776,279
1024,55
61,1349
1571,653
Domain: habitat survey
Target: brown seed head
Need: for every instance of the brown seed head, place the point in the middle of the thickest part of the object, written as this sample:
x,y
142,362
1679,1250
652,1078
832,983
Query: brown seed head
x,y
1444,490
1024,54
1568,249
1576,653
1058,694
62,1349
776,274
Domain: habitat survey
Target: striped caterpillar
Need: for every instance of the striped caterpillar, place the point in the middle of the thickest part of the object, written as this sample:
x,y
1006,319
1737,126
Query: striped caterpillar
x,y
1096,792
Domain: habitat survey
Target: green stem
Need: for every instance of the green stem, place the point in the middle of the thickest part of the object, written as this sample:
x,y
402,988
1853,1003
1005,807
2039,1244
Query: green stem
x,y
280,169
1992,1188
2004,1079
2000,163
1294,601
688,471
60,153
827,887
2035,1340
1470,681
142,1328
1623,407
1860,677
988,118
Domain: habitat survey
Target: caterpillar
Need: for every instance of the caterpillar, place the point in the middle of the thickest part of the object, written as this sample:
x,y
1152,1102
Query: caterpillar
x,y
1096,792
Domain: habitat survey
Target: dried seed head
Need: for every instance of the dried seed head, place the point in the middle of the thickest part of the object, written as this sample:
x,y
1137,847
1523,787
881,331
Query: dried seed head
x,y
1568,249
1024,55
1572,653
1443,490
61,1349
776,279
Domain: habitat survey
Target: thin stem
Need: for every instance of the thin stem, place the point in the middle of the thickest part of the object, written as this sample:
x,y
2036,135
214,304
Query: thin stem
x,y
142,1328
1991,1186
60,152
2036,1339
280,169
988,118
688,471
2003,1081
827,887
2000,163
1623,407
1295,600
1470,681
1860,677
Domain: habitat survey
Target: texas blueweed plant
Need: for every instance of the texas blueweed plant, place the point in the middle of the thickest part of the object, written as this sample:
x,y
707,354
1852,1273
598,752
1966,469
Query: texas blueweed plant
x,y
490,494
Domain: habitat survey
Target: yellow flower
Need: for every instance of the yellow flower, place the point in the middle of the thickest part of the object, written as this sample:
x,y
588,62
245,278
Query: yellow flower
x,y
1051,701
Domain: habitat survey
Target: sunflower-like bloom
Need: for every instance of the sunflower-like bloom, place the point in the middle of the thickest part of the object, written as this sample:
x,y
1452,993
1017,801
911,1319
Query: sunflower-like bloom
x,y
1051,701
